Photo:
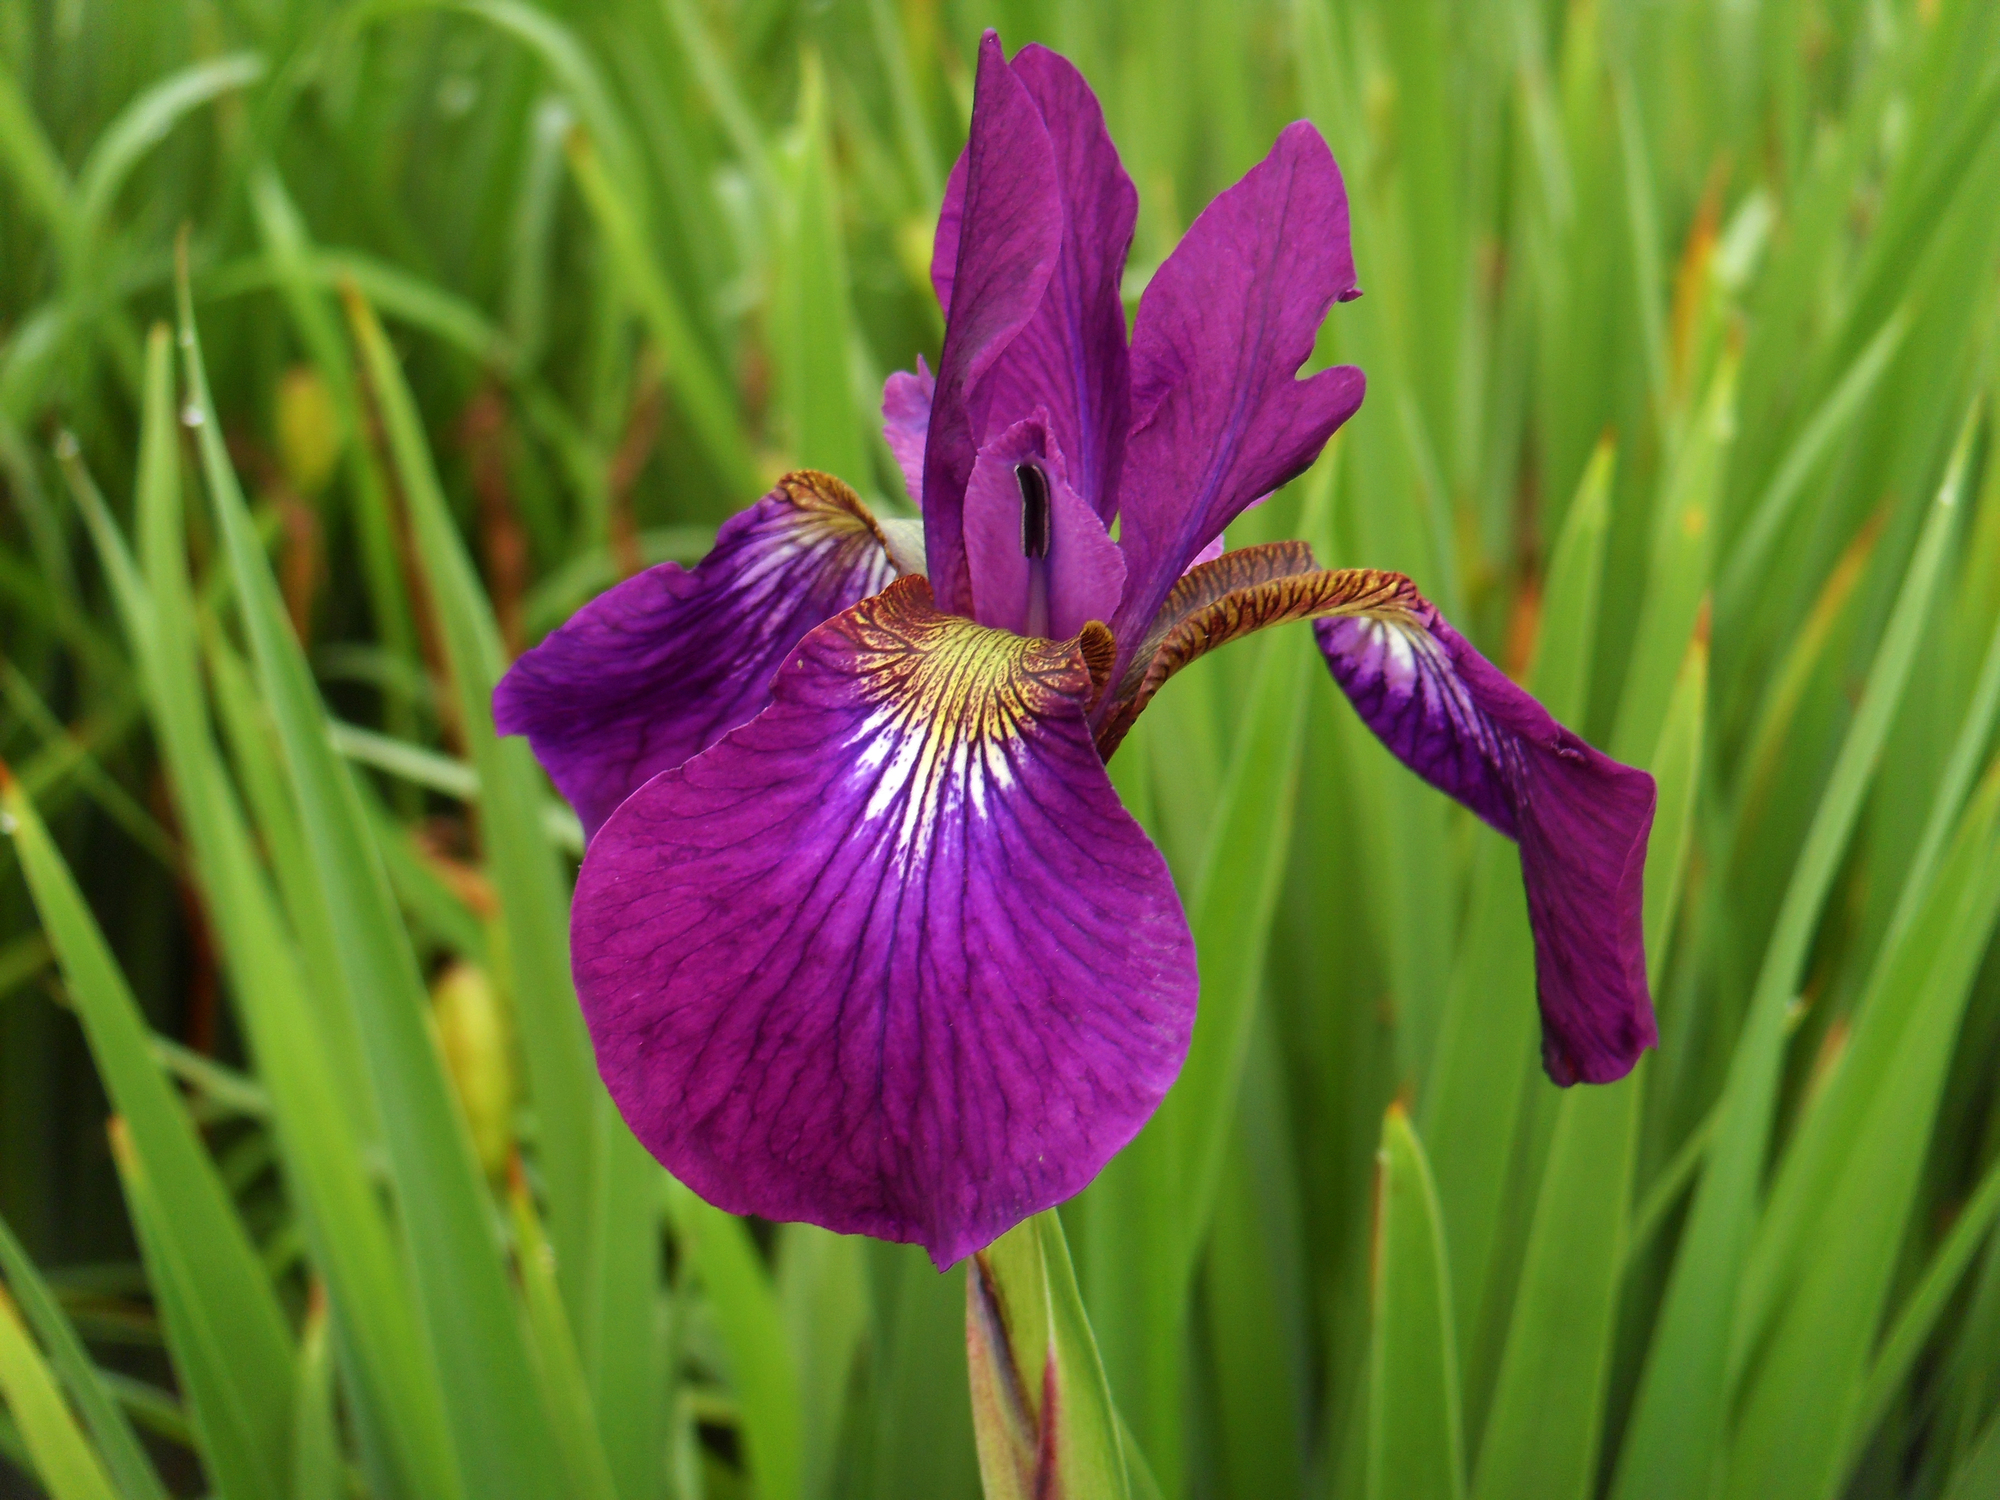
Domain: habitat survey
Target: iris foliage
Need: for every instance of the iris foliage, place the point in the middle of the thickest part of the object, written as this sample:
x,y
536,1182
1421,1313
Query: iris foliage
x,y
1678,329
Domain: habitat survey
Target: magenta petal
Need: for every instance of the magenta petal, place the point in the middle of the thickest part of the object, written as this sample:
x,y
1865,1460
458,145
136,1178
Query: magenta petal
x,y
662,666
1071,358
1581,819
906,418
944,241
891,957
1218,418
1084,572
1012,236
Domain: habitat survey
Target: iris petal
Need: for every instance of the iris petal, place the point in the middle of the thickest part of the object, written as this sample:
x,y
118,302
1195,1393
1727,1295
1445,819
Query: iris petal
x,y
1013,223
1218,417
944,241
1447,713
665,664
891,957
1230,596
1581,819
906,417
1071,358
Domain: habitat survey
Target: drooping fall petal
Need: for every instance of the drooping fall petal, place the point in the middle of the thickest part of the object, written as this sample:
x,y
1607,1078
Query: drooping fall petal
x,y
1218,415
662,666
891,957
1581,818
1081,571
1011,238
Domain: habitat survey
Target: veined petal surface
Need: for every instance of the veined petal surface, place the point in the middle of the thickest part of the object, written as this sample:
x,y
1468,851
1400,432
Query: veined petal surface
x,y
1011,237
891,957
944,240
1232,595
662,666
1218,417
1581,818
1071,358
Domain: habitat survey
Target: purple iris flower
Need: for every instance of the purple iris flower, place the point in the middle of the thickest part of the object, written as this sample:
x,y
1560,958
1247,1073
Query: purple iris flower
x,y
863,935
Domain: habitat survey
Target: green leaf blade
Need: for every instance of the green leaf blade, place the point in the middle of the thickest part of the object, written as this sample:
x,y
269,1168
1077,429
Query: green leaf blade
x,y
1415,1449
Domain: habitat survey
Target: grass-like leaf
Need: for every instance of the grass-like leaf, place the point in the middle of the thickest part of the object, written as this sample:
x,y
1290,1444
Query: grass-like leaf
x,y
54,1442
229,1339
1676,1433
1415,1447
500,1429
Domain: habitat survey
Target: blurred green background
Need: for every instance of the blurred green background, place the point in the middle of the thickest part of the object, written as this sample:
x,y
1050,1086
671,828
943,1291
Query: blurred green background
x,y
1679,331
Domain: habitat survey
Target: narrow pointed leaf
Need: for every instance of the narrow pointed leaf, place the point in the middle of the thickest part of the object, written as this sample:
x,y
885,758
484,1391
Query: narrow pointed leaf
x,y
295,1040
109,1427
1542,1433
745,1306
523,867
1804,1387
587,1472
61,1452
1414,1446
1042,1411
1149,1210
145,122
499,1427
699,389
230,1343
822,1288
1485,1058
1676,1435
813,302
317,1462
618,1329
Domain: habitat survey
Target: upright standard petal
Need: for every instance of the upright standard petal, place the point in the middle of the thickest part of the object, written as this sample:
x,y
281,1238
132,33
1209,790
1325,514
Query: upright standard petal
x,y
665,664
1581,818
891,957
944,240
1011,238
1042,564
1218,417
1071,358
